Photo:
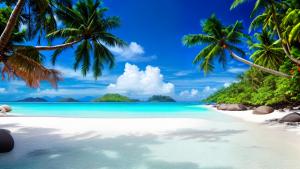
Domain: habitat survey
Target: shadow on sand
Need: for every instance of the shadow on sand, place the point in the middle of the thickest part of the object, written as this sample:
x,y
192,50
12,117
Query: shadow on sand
x,y
42,148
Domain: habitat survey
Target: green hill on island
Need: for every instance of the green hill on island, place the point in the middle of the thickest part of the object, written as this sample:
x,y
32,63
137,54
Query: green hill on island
x,y
33,99
113,97
161,98
68,100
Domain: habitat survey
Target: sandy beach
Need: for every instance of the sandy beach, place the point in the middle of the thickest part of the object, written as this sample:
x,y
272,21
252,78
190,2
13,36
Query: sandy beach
x,y
148,143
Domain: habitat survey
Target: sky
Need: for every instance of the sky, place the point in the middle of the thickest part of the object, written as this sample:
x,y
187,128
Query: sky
x,y
154,62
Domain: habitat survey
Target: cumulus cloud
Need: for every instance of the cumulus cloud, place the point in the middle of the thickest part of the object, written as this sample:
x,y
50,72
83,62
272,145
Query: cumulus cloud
x,y
189,93
133,52
143,83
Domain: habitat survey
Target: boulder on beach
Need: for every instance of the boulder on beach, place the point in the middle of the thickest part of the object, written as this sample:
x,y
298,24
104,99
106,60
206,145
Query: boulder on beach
x,y
232,107
292,117
6,107
263,110
6,141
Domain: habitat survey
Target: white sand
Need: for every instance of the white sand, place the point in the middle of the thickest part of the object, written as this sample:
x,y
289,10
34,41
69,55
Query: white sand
x,y
104,126
147,143
248,116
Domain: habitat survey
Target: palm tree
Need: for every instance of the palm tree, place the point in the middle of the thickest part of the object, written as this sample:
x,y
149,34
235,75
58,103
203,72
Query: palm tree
x,y
85,25
23,62
88,28
219,40
270,17
268,52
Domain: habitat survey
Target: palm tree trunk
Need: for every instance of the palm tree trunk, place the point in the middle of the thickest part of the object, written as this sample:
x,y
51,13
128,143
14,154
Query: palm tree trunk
x,y
62,46
9,28
274,72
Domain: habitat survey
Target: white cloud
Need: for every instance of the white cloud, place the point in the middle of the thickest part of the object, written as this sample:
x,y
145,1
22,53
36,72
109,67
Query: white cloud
x,y
227,84
133,52
189,94
183,73
141,83
237,70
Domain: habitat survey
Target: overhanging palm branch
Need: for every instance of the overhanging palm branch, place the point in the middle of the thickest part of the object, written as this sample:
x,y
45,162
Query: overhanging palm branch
x,y
26,63
219,39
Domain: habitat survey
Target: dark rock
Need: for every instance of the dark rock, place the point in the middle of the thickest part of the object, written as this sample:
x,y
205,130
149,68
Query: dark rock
x,y
280,110
292,117
263,110
232,107
6,141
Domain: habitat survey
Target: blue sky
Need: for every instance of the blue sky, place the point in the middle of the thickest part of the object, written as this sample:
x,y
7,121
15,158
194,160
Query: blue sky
x,y
155,62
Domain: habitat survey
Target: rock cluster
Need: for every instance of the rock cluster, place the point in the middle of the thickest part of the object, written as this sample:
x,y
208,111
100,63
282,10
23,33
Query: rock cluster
x,y
231,107
263,110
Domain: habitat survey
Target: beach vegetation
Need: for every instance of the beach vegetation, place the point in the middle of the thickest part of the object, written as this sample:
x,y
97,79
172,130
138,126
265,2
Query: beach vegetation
x,y
273,44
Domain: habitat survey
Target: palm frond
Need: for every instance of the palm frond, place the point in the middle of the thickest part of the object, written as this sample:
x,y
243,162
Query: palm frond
x,y
197,39
257,21
31,71
236,3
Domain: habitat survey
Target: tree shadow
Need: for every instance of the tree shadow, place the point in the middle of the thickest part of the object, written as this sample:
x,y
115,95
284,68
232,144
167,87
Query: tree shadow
x,y
43,148
204,135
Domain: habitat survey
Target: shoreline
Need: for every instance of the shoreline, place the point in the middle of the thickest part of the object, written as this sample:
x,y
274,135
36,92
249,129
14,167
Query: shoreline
x,y
248,116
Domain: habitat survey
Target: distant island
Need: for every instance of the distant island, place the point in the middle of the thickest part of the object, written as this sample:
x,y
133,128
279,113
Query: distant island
x,y
113,97
68,100
33,99
161,98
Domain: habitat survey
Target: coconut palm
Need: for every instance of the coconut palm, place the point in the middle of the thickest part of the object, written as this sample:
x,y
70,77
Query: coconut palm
x,y
23,62
85,24
268,52
271,17
219,40
88,28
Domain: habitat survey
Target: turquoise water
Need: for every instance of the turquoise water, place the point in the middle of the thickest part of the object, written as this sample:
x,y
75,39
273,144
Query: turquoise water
x,y
109,110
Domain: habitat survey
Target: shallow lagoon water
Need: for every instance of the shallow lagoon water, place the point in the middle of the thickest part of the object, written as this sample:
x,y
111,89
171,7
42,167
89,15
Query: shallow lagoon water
x,y
109,110
221,143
